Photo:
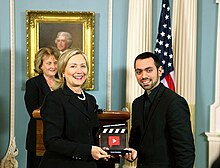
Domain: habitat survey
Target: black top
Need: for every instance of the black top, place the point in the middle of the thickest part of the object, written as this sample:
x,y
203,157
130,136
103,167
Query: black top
x,y
148,100
36,90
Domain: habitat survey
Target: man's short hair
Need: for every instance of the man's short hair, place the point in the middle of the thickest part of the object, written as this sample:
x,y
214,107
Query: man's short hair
x,y
148,55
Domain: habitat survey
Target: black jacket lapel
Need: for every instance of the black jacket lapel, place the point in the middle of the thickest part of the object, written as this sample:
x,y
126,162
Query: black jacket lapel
x,y
75,101
42,83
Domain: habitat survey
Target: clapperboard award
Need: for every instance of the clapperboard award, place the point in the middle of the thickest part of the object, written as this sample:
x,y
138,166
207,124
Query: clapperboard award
x,y
114,138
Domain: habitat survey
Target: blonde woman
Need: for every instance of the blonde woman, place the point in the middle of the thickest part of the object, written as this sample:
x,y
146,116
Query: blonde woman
x,y
36,89
70,119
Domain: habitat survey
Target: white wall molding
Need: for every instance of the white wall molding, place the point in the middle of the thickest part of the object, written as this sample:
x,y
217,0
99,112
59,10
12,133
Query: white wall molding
x,y
213,147
213,136
109,97
9,160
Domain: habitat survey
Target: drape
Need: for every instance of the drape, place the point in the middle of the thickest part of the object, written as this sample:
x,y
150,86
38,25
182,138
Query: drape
x,y
184,30
139,40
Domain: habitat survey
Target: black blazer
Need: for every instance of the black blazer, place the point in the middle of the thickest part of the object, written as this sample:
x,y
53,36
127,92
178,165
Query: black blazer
x,y
166,141
69,130
36,90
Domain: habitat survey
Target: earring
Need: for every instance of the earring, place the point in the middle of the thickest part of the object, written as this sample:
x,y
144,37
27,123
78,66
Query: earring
x,y
63,76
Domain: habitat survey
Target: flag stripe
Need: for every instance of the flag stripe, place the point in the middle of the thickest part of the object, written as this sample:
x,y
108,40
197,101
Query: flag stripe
x,y
170,82
163,47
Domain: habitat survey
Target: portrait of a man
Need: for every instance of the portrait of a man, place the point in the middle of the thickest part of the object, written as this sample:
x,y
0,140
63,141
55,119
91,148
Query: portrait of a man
x,y
61,35
63,41
63,30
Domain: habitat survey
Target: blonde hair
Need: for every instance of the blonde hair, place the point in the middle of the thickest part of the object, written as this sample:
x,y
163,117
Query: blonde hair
x,y
62,63
43,53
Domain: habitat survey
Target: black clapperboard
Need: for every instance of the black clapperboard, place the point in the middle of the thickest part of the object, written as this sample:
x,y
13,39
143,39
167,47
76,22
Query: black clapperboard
x,y
114,138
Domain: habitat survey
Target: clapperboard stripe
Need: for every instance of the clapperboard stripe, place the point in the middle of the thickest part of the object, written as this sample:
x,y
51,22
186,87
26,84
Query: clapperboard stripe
x,y
114,130
111,130
105,131
123,131
117,130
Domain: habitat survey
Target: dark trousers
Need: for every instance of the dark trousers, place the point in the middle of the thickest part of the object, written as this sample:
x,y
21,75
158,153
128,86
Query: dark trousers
x,y
33,161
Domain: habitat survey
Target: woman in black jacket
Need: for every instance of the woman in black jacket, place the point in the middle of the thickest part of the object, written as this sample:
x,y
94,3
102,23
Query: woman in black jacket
x,y
36,89
70,119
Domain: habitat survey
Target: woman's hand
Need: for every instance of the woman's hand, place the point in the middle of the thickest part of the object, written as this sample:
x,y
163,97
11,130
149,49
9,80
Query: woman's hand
x,y
99,153
131,156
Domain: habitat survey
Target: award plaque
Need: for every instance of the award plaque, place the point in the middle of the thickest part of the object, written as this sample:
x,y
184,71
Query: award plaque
x,y
113,137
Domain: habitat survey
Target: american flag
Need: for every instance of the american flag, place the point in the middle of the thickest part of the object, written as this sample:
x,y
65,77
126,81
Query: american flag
x,y
163,47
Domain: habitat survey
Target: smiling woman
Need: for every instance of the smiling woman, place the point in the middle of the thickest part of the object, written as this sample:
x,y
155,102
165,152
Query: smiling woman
x,y
67,110
45,64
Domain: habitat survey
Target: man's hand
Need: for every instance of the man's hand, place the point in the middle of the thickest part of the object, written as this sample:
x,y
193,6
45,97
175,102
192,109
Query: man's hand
x,y
131,156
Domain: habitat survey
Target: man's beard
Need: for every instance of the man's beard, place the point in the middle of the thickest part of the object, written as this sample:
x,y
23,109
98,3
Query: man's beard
x,y
152,85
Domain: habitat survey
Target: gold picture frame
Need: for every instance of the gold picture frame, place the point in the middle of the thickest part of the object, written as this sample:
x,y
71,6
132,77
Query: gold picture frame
x,y
43,26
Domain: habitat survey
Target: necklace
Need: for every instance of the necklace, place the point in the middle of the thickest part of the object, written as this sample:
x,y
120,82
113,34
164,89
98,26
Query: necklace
x,y
82,98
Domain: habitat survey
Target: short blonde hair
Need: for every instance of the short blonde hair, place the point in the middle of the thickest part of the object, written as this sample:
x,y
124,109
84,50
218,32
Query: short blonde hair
x,y
43,53
62,63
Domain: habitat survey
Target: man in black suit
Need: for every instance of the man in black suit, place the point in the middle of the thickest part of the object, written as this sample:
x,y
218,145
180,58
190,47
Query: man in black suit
x,y
161,135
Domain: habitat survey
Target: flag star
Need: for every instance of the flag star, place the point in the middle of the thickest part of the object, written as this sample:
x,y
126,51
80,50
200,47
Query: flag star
x,y
169,64
163,46
162,34
169,36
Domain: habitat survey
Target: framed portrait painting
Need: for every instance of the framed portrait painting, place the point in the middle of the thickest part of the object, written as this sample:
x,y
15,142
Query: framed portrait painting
x,y
43,27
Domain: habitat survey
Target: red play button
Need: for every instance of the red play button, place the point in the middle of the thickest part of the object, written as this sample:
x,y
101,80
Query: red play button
x,y
113,140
